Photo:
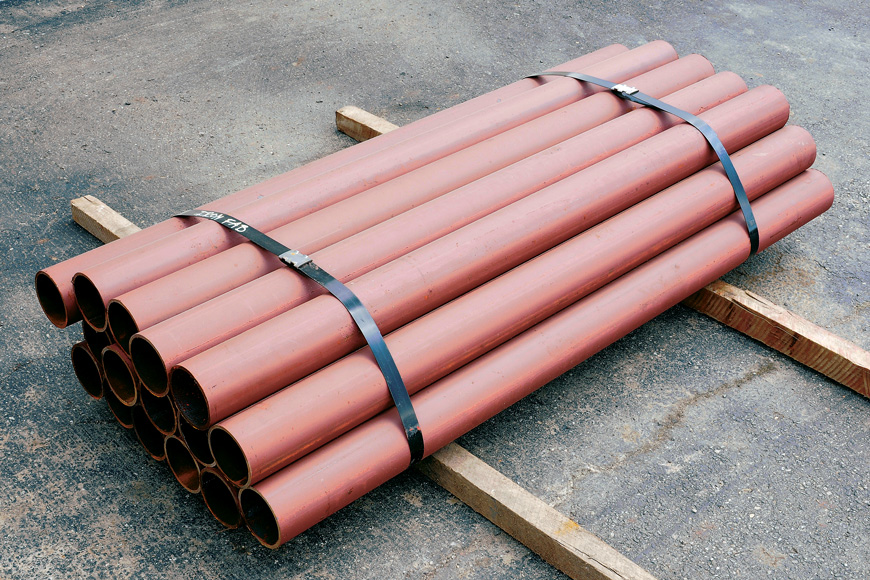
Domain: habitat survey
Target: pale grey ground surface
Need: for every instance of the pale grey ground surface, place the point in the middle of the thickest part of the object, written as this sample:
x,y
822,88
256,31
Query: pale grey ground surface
x,y
688,447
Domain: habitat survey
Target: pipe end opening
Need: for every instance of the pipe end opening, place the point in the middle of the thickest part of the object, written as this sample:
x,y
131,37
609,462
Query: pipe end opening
x,y
220,499
190,397
51,300
90,301
122,412
182,463
229,456
260,517
87,370
148,435
121,323
119,376
197,441
149,365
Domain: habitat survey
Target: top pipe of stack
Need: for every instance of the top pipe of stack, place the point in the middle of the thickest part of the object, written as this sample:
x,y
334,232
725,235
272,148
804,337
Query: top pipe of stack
x,y
96,286
170,295
54,284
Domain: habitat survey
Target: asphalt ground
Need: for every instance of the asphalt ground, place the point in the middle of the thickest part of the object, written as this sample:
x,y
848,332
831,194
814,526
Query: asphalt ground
x,y
693,450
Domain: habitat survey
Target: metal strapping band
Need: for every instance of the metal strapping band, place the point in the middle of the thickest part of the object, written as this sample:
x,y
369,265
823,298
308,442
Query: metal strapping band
x,y
361,316
634,95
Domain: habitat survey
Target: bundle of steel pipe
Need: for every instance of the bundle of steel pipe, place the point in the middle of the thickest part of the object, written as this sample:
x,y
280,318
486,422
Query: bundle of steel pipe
x,y
496,244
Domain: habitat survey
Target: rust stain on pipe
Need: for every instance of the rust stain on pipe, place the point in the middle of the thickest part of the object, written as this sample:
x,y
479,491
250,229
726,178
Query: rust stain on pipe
x,y
292,500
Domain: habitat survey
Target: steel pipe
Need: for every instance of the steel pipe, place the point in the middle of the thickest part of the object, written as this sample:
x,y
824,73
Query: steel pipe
x,y
221,498
54,284
151,303
120,374
88,370
156,349
182,464
122,412
148,435
197,442
96,340
160,410
242,370
280,429
289,502
95,286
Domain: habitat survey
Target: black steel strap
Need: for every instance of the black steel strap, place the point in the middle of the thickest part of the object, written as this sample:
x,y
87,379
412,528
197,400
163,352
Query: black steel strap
x,y
361,316
634,95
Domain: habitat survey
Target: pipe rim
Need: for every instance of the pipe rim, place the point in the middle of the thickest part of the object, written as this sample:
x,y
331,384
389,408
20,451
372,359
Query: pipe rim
x,y
149,365
147,434
96,340
122,412
87,370
197,442
182,464
190,397
121,323
220,498
228,456
51,300
119,376
90,301
260,518
160,411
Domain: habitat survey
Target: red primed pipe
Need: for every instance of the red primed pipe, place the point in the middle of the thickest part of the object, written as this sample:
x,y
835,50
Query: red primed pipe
x,y
156,349
197,442
244,369
221,498
120,374
95,286
54,284
122,412
160,411
294,499
170,295
182,463
88,369
96,340
149,436
278,430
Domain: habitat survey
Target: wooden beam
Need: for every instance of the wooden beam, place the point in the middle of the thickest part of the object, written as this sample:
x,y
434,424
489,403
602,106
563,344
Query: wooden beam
x,y
361,125
101,220
781,330
553,536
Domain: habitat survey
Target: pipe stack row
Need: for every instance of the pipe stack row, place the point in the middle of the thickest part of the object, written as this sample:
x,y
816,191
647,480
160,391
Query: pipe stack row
x,y
497,244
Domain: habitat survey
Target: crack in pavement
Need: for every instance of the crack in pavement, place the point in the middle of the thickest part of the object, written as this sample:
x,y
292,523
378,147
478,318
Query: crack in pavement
x,y
670,422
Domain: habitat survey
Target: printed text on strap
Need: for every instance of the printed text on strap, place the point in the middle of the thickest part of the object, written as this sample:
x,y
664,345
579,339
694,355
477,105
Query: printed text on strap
x,y
361,316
